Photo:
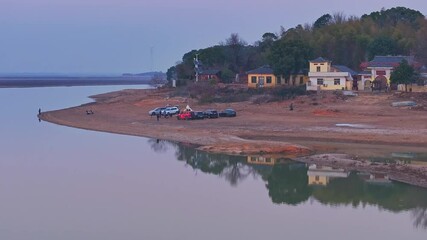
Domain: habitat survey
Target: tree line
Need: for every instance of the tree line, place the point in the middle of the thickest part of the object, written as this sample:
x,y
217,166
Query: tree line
x,y
345,40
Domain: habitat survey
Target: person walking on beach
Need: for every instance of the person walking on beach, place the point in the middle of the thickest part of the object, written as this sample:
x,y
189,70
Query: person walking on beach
x,y
158,116
40,111
291,107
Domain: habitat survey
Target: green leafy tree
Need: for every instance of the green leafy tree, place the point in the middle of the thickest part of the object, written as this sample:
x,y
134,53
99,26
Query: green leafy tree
x,y
382,45
235,44
403,74
393,16
289,57
324,20
171,73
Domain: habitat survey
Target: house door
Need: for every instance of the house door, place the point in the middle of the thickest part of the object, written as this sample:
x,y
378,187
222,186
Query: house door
x,y
380,83
261,82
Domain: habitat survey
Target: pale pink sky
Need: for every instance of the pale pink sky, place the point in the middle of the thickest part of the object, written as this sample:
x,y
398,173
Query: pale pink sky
x,y
108,36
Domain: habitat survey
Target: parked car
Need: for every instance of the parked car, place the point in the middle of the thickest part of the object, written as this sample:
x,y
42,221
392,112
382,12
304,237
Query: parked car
x,y
210,113
184,116
156,111
197,115
228,113
170,111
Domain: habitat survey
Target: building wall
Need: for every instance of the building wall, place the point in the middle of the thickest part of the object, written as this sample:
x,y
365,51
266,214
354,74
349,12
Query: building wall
x,y
258,78
324,67
378,71
328,83
412,88
290,82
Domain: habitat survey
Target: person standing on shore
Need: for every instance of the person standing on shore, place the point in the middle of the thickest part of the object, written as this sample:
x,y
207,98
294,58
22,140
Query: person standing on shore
x,y
158,116
40,111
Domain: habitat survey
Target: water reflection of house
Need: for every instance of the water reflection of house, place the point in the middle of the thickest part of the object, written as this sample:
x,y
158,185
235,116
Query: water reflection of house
x,y
262,160
321,175
375,178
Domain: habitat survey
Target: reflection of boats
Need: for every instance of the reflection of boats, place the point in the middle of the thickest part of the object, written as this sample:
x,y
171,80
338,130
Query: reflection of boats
x,y
261,160
375,178
321,175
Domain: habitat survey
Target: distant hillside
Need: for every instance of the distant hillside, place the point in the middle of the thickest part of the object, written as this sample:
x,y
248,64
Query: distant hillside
x,y
149,75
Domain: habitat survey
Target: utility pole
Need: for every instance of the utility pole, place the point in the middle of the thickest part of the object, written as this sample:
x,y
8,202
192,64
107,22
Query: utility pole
x,y
196,66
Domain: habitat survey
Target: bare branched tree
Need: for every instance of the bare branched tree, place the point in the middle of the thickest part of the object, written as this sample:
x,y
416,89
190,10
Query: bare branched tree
x,y
156,81
339,17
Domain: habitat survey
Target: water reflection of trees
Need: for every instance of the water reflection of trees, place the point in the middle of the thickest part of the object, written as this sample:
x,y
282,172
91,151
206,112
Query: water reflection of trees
x,y
231,168
420,217
288,184
159,146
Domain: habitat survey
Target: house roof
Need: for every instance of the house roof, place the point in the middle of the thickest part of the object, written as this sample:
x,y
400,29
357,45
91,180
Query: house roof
x,y
366,72
343,68
209,72
389,61
266,69
319,60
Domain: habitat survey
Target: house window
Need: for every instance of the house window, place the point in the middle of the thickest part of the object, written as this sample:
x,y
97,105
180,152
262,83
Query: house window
x,y
337,81
253,79
268,79
318,69
261,80
286,80
320,81
316,178
301,80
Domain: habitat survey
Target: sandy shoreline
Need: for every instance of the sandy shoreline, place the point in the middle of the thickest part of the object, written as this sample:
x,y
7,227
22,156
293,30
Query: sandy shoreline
x,y
268,129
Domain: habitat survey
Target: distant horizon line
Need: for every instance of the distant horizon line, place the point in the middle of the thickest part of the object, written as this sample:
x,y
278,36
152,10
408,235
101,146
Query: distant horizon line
x,y
63,74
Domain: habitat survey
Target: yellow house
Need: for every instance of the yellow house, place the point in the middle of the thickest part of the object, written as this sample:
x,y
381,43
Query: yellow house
x,y
324,76
261,77
264,77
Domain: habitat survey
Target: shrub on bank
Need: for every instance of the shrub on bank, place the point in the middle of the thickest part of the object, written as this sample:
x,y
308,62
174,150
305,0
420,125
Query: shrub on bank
x,y
209,92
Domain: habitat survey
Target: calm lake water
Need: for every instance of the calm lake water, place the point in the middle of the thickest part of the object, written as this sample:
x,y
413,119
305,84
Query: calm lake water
x,y
63,183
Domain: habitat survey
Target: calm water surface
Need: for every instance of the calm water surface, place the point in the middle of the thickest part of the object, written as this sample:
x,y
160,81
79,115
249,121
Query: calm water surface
x,y
63,183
